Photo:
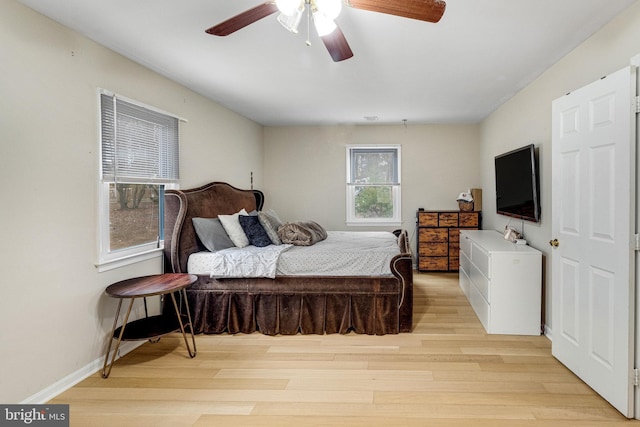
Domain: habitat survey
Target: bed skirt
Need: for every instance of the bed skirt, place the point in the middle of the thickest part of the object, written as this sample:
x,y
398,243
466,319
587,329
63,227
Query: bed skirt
x,y
290,305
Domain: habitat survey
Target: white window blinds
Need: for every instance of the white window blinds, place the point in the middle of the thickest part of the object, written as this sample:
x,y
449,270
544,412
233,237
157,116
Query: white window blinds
x,y
374,166
138,143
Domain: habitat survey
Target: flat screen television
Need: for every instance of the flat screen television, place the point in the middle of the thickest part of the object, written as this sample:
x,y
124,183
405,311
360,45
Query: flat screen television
x,y
517,185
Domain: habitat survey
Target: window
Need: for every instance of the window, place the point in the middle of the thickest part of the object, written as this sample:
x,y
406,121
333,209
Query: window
x,y
373,185
139,159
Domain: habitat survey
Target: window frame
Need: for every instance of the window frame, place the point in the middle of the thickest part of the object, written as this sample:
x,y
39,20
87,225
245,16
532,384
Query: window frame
x,y
109,259
396,188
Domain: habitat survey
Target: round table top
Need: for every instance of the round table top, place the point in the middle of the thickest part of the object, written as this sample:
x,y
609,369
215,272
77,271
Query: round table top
x,y
146,286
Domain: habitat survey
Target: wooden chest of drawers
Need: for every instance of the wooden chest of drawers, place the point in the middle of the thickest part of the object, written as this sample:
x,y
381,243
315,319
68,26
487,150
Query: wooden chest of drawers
x,y
439,238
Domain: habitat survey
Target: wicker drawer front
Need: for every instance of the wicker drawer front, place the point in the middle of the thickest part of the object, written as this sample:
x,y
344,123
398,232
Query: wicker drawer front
x,y
454,263
454,240
428,219
469,219
433,235
434,249
434,263
448,219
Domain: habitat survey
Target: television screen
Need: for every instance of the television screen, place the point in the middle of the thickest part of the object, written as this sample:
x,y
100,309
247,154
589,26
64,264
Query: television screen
x,y
517,193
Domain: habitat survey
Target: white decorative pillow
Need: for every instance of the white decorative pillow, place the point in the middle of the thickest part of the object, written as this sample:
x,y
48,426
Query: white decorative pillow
x,y
231,224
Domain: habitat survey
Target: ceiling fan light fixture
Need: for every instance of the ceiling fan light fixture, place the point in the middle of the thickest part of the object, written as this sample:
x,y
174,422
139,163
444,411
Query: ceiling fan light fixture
x,y
331,8
324,25
324,13
292,22
289,7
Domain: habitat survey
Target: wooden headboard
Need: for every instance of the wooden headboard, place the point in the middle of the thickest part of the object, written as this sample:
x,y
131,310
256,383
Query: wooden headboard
x,y
208,201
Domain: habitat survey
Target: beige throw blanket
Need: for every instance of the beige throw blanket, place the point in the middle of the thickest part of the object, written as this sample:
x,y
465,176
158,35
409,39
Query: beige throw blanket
x,y
301,233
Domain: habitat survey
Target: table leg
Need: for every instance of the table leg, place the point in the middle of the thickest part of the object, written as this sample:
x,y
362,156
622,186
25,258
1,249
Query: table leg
x,y
184,335
105,371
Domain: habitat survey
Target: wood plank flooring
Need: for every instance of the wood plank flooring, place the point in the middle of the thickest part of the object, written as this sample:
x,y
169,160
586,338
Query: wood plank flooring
x,y
448,373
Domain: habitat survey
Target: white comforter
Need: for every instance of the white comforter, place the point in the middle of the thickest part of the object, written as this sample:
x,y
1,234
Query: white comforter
x,y
250,261
343,253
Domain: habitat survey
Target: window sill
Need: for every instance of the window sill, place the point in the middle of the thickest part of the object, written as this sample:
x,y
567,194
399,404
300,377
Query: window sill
x,y
373,224
111,264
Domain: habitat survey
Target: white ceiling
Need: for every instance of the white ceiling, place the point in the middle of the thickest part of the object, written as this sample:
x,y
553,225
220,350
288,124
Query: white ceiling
x,y
459,70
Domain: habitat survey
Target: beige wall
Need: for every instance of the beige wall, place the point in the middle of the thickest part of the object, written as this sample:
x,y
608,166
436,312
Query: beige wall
x,y
305,168
526,118
53,311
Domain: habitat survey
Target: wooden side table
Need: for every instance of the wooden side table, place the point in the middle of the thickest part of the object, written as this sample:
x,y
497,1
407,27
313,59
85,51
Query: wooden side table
x,y
149,327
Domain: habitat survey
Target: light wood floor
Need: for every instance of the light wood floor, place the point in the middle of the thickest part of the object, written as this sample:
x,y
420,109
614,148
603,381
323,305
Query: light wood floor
x,y
448,372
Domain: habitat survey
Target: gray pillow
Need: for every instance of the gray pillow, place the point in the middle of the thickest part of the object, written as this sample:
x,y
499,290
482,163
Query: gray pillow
x,y
270,222
212,234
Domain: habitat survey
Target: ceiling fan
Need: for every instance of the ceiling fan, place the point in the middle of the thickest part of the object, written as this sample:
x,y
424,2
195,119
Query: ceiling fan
x,y
324,12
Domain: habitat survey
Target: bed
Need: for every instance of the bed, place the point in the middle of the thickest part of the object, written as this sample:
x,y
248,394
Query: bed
x,y
374,304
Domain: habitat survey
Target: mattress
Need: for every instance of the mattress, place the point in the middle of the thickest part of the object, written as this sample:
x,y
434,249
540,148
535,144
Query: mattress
x,y
342,253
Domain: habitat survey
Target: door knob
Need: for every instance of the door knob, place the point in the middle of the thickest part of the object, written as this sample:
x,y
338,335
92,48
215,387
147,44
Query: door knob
x,y
555,243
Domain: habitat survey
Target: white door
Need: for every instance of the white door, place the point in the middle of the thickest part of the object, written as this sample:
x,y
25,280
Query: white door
x,y
593,226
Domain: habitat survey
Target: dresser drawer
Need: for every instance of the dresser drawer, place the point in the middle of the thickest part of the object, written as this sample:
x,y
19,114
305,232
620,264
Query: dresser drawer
x,y
480,306
448,219
428,219
465,264
454,249
465,283
465,246
480,281
434,263
434,249
469,219
480,258
433,235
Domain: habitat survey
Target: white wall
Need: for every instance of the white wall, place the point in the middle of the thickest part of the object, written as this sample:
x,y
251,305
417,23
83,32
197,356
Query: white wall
x,y
526,118
54,315
305,168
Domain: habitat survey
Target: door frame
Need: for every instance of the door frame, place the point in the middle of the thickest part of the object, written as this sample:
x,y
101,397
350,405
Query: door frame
x,y
636,398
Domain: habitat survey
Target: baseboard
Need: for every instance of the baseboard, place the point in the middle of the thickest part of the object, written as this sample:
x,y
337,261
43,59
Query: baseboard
x,y
74,378
548,333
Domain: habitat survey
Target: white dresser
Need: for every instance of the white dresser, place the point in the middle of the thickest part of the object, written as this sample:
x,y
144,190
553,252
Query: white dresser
x,y
502,281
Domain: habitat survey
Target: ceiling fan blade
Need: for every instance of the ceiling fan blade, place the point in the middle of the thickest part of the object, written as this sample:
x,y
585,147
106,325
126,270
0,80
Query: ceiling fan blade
x,y
337,45
243,19
423,10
